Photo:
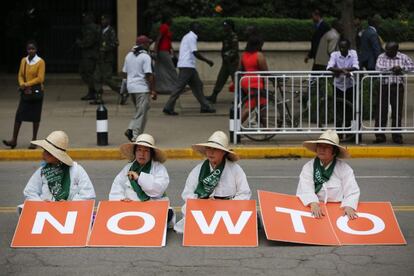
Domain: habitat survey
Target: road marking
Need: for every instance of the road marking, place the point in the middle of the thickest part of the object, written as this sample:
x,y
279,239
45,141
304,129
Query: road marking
x,y
177,209
361,176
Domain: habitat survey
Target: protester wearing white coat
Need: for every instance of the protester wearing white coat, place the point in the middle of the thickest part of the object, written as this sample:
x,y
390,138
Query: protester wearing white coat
x,y
222,177
327,178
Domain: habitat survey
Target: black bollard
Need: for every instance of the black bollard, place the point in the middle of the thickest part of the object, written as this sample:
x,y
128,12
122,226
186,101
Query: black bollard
x,y
231,123
102,125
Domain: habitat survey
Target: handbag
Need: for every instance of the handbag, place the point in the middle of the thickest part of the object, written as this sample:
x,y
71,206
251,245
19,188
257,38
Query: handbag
x,y
31,93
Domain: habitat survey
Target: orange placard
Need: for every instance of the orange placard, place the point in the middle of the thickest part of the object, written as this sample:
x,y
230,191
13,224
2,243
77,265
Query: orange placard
x,y
286,219
130,224
376,224
54,224
220,223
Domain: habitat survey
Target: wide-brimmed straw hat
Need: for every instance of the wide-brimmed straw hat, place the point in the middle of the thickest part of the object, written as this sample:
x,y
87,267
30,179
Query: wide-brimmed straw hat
x,y
56,144
146,140
328,137
218,140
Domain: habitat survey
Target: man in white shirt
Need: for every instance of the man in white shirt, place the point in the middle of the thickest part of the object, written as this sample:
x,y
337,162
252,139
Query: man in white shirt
x,y
140,84
188,73
342,63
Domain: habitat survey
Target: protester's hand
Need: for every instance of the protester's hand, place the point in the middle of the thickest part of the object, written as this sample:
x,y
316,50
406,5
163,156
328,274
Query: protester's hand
x,y
132,175
348,211
316,210
397,70
153,95
210,63
126,200
346,72
306,59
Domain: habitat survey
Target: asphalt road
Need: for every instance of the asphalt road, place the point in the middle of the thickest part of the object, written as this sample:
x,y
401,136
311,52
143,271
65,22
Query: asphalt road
x,y
379,180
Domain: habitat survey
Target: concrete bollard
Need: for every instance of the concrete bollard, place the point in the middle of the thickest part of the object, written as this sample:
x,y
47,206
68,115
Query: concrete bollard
x,y
102,125
231,123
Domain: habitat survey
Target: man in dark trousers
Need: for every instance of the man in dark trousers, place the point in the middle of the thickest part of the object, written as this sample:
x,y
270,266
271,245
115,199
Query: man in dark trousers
x,y
370,45
89,44
230,56
105,63
188,73
321,27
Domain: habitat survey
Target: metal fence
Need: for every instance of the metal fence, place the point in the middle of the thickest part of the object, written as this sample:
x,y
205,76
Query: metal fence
x,y
301,102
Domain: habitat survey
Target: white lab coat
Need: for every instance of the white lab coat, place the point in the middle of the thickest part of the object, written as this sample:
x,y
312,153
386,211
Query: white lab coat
x,y
153,184
233,183
81,187
341,186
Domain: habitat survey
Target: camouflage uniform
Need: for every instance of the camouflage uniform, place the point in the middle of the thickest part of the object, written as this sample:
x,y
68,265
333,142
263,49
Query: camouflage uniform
x,y
106,58
230,56
89,44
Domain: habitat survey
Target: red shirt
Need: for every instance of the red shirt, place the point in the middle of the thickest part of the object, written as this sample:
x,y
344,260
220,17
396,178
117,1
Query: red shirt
x,y
250,63
166,37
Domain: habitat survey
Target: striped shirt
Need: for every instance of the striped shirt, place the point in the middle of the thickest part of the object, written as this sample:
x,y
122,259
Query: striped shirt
x,y
385,64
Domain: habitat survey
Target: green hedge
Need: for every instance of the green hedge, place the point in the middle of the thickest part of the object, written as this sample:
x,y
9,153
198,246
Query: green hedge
x,y
278,29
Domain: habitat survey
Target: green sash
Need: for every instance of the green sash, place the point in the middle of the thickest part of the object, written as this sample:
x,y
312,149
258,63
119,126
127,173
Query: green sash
x,y
58,180
320,175
207,181
136,167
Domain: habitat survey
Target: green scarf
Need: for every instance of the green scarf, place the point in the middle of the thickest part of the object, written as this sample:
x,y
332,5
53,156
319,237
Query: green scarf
x,y
58,180
136,167
207,181
320,175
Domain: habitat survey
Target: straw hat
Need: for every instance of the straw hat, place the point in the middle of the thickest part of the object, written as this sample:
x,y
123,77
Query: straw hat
x,y
328,137
218,140
56,144
146,140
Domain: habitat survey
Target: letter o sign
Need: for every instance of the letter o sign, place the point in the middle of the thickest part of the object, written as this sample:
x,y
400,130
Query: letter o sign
x,y
149,223
379,225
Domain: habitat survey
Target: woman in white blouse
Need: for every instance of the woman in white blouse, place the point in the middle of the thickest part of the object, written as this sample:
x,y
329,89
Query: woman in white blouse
x,y
327,178
217,177
144,177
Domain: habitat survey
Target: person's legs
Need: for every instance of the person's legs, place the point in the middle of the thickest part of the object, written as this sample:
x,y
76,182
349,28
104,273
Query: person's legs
x,y
13,142
183,78
34,135
98,83
196,86
222,77
340,97
138,122
87,68
397,102
381,112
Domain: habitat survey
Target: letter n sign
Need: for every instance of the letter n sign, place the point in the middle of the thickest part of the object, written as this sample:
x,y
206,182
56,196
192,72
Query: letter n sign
x,y
54,224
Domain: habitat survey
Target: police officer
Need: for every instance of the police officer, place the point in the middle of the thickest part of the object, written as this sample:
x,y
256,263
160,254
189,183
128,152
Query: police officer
x,y
230,56
89,44
106,58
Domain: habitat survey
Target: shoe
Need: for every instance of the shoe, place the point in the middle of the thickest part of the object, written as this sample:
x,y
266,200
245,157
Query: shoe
x,y
32,146
207,110
128,134
124,98
398,140
212,98
379,140
9,144
88,97
169,112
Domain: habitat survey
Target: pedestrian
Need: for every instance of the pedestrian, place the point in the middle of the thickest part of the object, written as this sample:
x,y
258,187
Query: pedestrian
x,y
140,84
252,60
165,71
188,73
218,177
328,44
144,177
327,178
230,58
89,46
342,63
321,27
59,178
391,90
108,44
30,77
370,45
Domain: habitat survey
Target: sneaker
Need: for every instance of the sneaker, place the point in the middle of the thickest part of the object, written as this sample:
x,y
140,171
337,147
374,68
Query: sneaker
x,y
207,110
128,134
88,97
398,140
212,98
379,140
169,112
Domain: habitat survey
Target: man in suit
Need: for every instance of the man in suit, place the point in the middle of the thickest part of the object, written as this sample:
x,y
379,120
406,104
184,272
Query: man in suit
x,y
370,45
321,27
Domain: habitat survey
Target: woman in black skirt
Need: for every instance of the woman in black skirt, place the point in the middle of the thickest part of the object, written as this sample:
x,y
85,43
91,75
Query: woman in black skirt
x,y
31,77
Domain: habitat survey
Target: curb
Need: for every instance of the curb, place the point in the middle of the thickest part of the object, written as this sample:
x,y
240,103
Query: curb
x,y
188,153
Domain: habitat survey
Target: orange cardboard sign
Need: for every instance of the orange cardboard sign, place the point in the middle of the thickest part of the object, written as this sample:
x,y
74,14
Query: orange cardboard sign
x,y
130,224
376,224
286,219
220,223
54,224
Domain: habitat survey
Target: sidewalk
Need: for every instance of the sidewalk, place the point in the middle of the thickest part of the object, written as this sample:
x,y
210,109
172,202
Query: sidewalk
x,y
63,110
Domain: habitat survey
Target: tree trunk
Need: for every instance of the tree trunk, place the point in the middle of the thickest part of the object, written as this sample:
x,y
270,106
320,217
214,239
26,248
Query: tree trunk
x,y
347,20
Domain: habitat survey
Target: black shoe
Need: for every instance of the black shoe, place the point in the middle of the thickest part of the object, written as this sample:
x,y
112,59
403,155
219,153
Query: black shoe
x,y
169,112
9,144
88,97
212,98
124,98
398,140
379,140
128,134
207,110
